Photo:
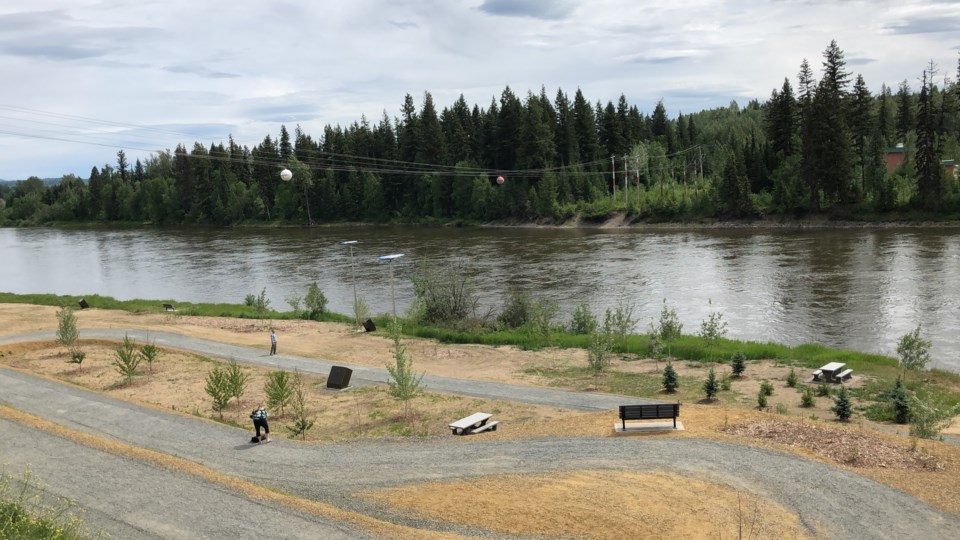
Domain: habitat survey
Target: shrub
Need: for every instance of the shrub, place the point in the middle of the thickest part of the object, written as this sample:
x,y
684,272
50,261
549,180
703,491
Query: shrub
x,y
761,400
710,385
218,388
670,325
404,383
823,389
76,357
582,321
261,304
250,300
541,318
781,409
792,378
315,302
713,327
766,388
619,321
149,352
738,363
901,402
726,382
67,333
126,359
842,406
445,295
516,310
670,382
806,399
928,417
913,350
361,311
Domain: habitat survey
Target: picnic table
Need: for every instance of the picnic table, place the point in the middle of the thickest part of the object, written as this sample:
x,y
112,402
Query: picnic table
x,y
833,372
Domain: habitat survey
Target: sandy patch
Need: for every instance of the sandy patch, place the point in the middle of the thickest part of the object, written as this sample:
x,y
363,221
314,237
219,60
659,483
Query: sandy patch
x,y
578,505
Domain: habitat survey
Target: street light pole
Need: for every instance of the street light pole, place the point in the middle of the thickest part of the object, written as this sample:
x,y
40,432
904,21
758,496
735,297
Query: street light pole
x,y
393,298
353,266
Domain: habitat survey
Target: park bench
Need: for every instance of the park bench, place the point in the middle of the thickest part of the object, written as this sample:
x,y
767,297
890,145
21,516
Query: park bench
x,y
475,423
817,374
654,411
846,374
169,307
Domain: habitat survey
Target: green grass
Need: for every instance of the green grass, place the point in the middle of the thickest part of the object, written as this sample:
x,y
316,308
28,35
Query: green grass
x,y
25,513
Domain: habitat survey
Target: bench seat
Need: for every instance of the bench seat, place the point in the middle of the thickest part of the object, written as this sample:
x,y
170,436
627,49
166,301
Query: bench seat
x,y
846,374
650,411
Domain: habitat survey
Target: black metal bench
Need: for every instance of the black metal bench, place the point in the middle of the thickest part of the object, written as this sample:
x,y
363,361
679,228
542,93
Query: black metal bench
x,y
654,411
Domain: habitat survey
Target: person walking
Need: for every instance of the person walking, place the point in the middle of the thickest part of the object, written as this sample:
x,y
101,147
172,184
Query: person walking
x,y
273,342
259,416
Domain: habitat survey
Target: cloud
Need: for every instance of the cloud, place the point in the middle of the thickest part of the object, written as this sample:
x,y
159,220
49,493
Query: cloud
x,y
403,25
50,51
201,71
664,56
537,9
925,25
11,22
860,60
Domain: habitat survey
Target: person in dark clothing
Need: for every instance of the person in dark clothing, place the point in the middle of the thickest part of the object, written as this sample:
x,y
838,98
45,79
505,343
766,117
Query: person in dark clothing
x,y
273,342
259,416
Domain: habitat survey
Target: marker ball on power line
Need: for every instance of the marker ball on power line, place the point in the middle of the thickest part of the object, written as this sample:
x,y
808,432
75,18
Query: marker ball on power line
x,y
500,180
286,175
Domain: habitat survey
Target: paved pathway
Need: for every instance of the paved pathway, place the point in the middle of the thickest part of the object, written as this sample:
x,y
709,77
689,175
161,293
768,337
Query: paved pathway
x,y
844,504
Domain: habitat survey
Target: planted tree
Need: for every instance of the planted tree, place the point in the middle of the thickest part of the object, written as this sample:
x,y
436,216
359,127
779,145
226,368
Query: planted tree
x,y
738,363
761,400
792,378
670,325
278,390
261,304
807,400
713,327
126,359
218,388
301,422
598,352
914,351
842,406
822,388
928,417
710,385
766,388
901,402
619,322
315,301
361,311
76,357
67,333
670,382
236,381
404,383
149,352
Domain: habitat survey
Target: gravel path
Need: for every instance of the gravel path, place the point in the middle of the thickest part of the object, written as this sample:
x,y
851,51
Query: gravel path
x,y
361,374
844,504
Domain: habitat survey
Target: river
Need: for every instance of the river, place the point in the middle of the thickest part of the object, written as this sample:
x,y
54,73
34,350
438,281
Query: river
x,y
854,288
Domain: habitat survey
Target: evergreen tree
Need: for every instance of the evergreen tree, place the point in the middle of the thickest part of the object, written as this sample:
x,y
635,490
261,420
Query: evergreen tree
x,y
568,151
710,386
930,188
842,406
901,402
905,116
585,127
670,382
781,120
738,364
885,116
735,189
861,125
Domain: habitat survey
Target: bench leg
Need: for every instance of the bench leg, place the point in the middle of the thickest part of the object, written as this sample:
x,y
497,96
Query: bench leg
x,y
674,422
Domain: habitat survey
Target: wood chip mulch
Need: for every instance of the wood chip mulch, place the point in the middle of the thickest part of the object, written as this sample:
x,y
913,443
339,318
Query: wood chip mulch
x,y
857,449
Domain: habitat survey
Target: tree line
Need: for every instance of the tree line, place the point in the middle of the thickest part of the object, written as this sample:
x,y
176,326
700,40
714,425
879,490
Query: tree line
x,y
819,146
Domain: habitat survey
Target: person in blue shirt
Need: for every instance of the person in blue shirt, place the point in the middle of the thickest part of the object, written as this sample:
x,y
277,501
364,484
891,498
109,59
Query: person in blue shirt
x,y
273,342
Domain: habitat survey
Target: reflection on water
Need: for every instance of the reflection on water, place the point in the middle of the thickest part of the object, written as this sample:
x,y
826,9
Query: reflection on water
x,y
850,288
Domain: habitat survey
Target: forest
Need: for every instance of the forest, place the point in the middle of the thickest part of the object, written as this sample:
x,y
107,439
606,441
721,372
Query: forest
x,y
815,147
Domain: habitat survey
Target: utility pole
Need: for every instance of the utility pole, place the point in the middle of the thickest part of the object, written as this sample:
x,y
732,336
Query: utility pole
x,y
626,182
613,175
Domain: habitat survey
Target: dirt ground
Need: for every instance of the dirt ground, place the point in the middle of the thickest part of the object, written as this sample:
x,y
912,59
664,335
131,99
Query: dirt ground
x,y
176,383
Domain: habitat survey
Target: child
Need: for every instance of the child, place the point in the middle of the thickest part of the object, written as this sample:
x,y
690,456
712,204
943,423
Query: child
x,y
259,416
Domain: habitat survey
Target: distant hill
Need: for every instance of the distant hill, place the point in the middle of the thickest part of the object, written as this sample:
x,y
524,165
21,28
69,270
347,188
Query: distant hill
x,y
46,181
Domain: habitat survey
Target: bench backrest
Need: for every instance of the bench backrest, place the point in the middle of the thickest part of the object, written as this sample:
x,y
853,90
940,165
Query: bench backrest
x,y
649,411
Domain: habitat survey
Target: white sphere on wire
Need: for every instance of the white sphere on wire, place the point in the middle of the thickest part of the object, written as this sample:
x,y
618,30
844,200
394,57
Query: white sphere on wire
x,y
286,175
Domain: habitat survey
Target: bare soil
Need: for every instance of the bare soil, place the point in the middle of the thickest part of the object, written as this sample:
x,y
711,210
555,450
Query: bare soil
x,y
929,471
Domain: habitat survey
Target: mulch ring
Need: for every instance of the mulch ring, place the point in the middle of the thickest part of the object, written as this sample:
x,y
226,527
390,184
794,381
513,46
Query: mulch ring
x,y
854,448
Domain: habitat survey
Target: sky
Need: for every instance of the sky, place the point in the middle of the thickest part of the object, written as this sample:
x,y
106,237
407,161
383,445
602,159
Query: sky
x,y
83,79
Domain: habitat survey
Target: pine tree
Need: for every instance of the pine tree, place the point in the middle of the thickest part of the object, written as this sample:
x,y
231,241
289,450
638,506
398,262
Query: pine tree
x,y
710,385
738,363
930,188
670,382
905,117
842,406
901,402
781,121
885,116
861,125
